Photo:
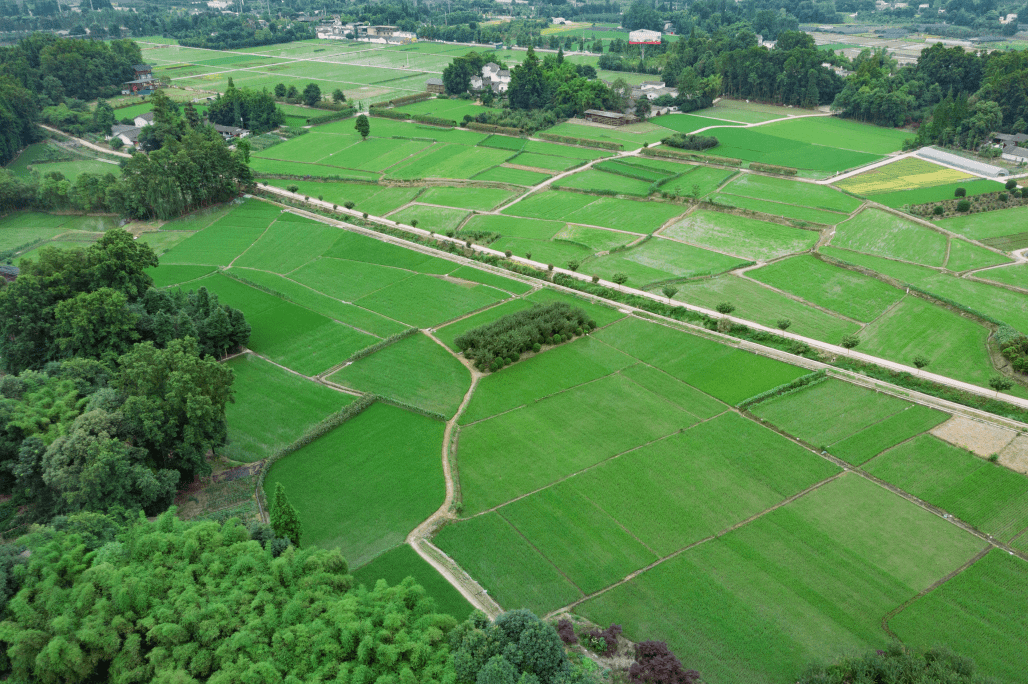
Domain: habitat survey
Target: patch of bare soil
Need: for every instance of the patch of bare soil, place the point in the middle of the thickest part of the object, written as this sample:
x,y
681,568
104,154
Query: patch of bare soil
x,y
1015,455
980,438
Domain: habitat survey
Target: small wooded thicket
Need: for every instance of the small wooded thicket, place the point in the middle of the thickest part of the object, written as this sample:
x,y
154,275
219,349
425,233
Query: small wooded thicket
x,y
690,141
177,601
496,344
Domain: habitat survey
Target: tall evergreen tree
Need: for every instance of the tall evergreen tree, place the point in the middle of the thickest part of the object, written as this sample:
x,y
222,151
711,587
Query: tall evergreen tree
x,y
284,519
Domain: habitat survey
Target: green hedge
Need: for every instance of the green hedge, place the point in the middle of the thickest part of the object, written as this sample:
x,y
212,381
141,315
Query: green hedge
x,y
691,156
581,142
334,116
773,168
410,99
392,339
389,114
490,128
433,120
312,433
789,387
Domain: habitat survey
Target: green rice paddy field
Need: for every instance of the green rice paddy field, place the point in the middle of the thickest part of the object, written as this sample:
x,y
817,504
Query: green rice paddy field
x,y
620,453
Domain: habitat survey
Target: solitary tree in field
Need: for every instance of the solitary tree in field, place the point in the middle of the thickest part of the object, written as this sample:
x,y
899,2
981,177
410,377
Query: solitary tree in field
x,y
363,126
338,96
725,308
920,361
669,291
850,341
284,519
280,90
1000,384
573,265
414,223
311,94
783,324
620,279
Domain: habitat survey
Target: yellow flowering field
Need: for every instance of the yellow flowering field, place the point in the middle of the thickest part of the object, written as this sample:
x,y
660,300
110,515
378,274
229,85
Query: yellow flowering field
x,y
905,174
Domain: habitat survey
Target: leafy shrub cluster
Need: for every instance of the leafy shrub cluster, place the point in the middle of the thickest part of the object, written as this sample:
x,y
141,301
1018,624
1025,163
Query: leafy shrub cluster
x,y
516,647
656,664
582,142
566,632
774,168
604,642
171,600
897,665
334,116
502,342
1014,346
490,128
690,141
675,154
529,121
408,99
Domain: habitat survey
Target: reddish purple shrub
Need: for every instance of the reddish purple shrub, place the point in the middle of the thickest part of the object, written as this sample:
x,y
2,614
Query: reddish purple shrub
x,y
605,642
656,664
566,632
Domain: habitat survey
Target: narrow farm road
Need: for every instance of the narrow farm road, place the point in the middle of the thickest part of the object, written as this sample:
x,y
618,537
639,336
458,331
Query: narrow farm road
x,y
832,349
86,143
418,537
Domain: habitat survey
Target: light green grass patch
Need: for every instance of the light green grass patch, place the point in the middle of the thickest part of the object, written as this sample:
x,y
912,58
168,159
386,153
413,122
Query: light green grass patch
x,y
757,303
373,199
366,249
475,275
549,204
502,174
979,614
545,161
161,241
788,211
964,256
425,302
578,536
543,251
594,180
1016,275
793,192
436,219
514,226
170,274
558,369
289,244
987,495
660,259
449,161
561,150
482,199
625,214
837,289
828,412
596,239
877,437
556,436
513,572
401,562
665,492
804,582
745,237
988,224
762,145
956,345
415,371
878,232
346,280
362,487
938,193
845,134
272,408
448,333
684,396
263,168
218,244
354,316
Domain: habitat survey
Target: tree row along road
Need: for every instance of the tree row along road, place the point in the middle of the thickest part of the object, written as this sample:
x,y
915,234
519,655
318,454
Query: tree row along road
x,y
832,349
